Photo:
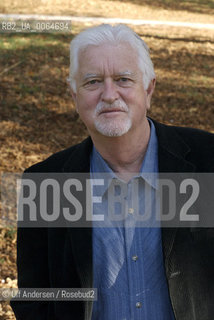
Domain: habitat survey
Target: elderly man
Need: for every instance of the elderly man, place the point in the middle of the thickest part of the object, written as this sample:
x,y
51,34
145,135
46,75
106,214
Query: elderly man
x,y
140,273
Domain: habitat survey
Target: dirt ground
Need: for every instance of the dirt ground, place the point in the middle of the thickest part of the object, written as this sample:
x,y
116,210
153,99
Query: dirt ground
x,y
37,116
182,10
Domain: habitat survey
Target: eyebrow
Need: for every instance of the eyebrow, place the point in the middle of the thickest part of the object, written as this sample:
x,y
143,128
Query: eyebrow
x,y
94,75
90,75
125,73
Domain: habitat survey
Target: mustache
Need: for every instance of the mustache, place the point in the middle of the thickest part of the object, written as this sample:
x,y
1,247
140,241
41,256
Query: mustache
x,y
118,104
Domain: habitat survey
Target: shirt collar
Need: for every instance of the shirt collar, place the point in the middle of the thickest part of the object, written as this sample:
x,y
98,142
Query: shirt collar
x,y
149,168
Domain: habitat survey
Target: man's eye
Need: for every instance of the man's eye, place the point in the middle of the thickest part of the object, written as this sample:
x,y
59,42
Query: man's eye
x,y
123,79
94,81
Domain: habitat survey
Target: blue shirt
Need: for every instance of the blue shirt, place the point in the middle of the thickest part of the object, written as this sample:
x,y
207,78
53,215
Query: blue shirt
x,y
128,264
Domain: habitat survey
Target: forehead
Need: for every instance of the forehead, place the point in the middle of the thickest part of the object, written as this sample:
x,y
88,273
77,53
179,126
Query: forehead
x,y
108,58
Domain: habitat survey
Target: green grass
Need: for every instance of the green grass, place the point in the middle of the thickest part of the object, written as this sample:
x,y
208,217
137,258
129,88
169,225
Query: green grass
x,y
11,233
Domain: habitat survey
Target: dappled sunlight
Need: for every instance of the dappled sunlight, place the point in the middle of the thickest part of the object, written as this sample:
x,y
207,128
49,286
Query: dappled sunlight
x,y
191,11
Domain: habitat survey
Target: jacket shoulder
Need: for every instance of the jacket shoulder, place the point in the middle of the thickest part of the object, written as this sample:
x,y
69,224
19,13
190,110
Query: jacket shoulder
x,y
201,144
195,136
197,146
57,161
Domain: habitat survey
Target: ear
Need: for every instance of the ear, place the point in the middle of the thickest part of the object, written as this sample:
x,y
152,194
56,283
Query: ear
x,y
150,91
74,97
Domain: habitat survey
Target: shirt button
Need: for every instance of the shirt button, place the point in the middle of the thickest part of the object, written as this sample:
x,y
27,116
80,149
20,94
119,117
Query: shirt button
x,y
134,258
131,210
138,305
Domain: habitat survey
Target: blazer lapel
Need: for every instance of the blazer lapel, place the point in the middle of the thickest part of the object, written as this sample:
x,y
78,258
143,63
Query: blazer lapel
x,y
172,152
172,155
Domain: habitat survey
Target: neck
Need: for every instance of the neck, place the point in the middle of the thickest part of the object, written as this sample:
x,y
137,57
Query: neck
x,y
124,154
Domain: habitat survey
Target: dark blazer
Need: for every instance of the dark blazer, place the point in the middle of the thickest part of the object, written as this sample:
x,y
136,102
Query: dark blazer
x,y
62,257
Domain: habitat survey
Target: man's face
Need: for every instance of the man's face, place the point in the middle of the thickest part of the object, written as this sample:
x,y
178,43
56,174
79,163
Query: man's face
x,y
110,96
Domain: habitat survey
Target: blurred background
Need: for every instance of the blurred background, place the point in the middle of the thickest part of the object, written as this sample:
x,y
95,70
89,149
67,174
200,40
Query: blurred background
x,y
37,116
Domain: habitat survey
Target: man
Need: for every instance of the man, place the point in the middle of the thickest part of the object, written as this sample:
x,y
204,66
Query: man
x,y
140,273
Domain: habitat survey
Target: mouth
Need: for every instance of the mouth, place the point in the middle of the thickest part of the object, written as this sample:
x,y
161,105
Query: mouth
x,y
111,111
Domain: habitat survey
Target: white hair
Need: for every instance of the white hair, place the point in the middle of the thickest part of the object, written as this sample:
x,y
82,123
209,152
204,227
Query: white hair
x,y
106,33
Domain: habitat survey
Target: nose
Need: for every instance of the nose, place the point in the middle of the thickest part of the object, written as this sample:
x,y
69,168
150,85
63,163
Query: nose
x,y
109,93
